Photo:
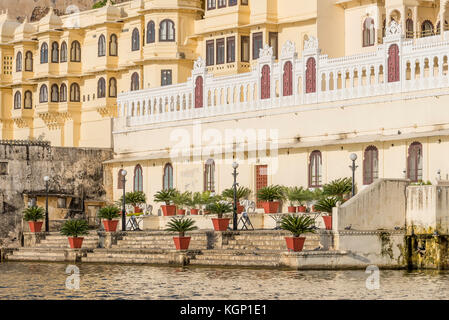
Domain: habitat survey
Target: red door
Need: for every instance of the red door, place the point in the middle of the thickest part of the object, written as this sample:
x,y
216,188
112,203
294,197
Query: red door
x,y
393,63
311,76
265,83
261,180
199,92
287,81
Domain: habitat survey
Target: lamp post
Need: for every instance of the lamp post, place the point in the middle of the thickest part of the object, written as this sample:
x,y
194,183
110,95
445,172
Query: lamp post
x,y
46,179
353,157
235,165
124,201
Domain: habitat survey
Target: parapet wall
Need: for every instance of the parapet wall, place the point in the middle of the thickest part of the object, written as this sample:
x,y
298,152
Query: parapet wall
x,y
23,165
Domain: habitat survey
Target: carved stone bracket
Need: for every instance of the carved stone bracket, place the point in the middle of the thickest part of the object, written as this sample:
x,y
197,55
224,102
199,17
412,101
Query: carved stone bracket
x,y
23,122
107,111
54,120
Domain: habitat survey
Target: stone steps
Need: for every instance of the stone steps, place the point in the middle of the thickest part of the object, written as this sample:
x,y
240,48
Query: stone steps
x,y
44,254
233,259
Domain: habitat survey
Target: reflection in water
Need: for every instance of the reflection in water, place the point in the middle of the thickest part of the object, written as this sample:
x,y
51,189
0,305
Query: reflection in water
x,y
47,281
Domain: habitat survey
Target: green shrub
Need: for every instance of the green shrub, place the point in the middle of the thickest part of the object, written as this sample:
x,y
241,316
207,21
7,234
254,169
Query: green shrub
x,y
271,193
182,199
181,225
165,196
338,188
133,198
326,204
293,194
298,224
242,193
33,214
75,228
109,213
219,208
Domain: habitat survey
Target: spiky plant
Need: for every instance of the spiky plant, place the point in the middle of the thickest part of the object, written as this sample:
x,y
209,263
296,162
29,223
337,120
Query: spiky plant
x,y
326,204
338,188
181,225
271,193
165,196
133,198
75,228
220,208
182,199
109,213
242,193
298,225
33,213
293,194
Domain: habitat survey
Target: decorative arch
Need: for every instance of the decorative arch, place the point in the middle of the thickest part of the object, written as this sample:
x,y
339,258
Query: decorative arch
x,y
209,175
265,86
63,53
28,103
427,29
135,81
414,162
393,63
199,92
315,169
75,52
311,75
138,178
135,40
167,180
44,53
63,93
29,61
101,46
113,46
151,32
288,79
55,52
43,94
409,28
101,88
112,88
167,30
369,32
54,96
19,61
17,100
370,165
75,92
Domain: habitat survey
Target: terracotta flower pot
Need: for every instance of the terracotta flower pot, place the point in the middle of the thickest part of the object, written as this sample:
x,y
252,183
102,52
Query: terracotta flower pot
x,y
302,209
76,242
181,243
291,209
295,243
328,222
110,225
271,206
169,210
194,212
240,209
35,226
181,212
220,224
137,209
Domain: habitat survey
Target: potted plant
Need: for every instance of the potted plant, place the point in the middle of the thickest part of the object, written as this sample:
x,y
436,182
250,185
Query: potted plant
x,y
134,198
32,215
180,200
269,195
207,198
241,193
293,195
326,204
220,208
73,229
340,188
108,214
304,197
166,196
193,203
181,225
297,225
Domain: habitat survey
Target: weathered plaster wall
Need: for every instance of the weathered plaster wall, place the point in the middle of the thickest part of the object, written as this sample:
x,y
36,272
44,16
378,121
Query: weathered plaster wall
x,y
76,171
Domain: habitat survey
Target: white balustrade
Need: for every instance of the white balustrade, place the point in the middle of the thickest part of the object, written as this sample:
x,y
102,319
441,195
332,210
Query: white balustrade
x,y
422,63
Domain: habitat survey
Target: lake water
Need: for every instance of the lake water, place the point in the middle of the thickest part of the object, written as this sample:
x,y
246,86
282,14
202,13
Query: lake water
x,y
48,281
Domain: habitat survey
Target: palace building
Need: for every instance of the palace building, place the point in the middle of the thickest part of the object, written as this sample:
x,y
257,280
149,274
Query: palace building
x,y
288,89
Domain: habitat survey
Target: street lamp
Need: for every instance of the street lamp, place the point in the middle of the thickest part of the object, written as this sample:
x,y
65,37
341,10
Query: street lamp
x,y
353,157
46,179
124,201
235,165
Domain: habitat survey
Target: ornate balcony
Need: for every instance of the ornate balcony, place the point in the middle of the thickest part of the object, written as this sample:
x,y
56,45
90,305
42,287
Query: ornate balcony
x,y
397,66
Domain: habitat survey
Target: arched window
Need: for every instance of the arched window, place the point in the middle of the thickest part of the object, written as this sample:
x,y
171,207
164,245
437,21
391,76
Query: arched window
x,y
63,93
315,165
19,61
54,52
43,94
101,46
44,53
75,92
370,165
151,33
209,176
199,92
54,93
368,32
135,81
167,30
265,83
63,53
75,52
414,162
168,177
29,61
17,100
120,179
28,100
393,63
288,79
311,76
112,88
439,26
101,88
409,28
135,40
138,178
113,45
426,29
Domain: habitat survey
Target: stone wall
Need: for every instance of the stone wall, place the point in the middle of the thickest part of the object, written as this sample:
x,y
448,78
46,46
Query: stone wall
x,y
23,165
